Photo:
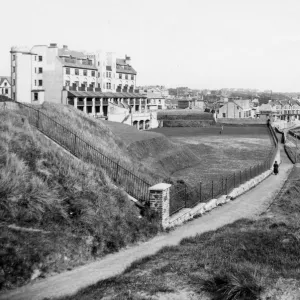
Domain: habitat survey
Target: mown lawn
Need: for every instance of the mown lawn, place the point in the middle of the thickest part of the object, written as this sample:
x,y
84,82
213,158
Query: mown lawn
x,y
237,148
249,259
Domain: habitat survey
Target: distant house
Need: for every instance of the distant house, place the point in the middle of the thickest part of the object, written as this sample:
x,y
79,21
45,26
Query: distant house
x,y
191,103
286,110
235,109
5,86
155,101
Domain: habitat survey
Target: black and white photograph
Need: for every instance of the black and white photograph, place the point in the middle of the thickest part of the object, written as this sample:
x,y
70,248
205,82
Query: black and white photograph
x,y
150,150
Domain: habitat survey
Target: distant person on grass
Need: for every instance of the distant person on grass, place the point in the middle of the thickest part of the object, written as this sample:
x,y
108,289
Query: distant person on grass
x,y
221,129
276,167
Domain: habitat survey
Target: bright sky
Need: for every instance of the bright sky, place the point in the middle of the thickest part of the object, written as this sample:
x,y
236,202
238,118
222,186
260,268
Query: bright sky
x,y
195,43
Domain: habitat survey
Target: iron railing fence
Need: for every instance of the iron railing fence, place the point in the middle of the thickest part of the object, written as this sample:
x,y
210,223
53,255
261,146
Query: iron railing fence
x,y
75,143
206,191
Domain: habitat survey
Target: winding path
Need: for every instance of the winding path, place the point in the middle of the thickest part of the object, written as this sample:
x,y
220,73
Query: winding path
x,y
249,205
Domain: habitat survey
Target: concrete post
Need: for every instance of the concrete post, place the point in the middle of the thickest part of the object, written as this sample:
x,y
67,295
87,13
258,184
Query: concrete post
x,y
84,105
101,106
75,102
160,201
93,107
134,104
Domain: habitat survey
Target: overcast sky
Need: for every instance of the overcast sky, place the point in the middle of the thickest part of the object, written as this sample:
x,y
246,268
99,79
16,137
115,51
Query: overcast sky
x,y
195,43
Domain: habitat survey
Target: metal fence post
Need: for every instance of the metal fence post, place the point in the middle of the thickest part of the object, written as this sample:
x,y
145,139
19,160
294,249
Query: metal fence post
x,y
234,179
212,189
117,171
222,184
38,119
75,142
240,177
200,191
226,185
185,195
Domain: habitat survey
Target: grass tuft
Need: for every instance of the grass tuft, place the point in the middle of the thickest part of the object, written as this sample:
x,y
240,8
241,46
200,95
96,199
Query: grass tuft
x,y
236,285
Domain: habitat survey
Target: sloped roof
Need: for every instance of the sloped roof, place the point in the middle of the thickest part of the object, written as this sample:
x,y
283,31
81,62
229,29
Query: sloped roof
x,y
71,53
78,66
3,78
125,69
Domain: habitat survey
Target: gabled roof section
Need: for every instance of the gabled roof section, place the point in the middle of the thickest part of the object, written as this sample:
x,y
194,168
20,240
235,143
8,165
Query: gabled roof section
x,y
3,78
124,67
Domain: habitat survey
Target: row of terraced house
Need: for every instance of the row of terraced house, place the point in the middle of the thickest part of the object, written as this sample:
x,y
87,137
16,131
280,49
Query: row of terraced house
x,y
98,83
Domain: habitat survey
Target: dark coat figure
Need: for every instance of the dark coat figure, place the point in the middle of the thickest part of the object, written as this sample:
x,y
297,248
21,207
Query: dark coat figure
x,y
275,168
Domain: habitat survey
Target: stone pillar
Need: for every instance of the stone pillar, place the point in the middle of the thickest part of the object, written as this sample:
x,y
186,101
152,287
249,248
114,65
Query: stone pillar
x,y
144,125
101,106
84,105
160,202
75,102
140,107
93,107
134,104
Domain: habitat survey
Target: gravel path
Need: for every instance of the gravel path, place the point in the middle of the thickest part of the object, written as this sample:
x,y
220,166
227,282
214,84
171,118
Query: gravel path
x,y
249,205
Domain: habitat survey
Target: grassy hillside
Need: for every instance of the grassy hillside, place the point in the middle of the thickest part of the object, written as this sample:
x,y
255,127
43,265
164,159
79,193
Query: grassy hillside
x,y
56,211
150,155
249,259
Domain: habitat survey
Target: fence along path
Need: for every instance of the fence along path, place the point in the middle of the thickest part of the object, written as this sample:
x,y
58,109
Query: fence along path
x,y
183,196
74,143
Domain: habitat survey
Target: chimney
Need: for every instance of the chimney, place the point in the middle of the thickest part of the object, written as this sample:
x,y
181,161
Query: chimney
x,y
53,45
65,47
127,60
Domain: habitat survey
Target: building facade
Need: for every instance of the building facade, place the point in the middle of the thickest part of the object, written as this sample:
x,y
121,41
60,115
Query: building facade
x,y
41,73
235,109
5,86
281,110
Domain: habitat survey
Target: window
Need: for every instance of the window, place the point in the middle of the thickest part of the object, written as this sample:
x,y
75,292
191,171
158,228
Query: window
x,y
40,58
67,83
93,73
84,72
76,72
108,85
35,96
98,74
35,83
14,95
76,83
98,63
14,82
68,71
84,84
6,91
240,114
40,82
126,76
34,70
5,83
108,74
224,115
120,76
132,77
14,69
13,57
40,70
35,57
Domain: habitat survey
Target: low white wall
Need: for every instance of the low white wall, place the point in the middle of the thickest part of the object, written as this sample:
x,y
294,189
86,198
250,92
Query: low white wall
x,y
201,208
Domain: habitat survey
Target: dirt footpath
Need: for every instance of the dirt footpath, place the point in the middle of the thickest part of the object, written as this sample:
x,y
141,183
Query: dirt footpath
x,y
249,205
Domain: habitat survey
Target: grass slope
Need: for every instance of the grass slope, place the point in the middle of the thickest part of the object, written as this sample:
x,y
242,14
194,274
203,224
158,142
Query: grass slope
x,y
68,211
150,155
249,259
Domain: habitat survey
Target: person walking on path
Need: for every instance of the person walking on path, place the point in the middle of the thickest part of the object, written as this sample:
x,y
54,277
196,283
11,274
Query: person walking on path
x,y
221,129
276,167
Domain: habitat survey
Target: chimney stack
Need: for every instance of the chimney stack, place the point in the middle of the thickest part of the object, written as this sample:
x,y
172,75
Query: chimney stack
x,y
65,47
